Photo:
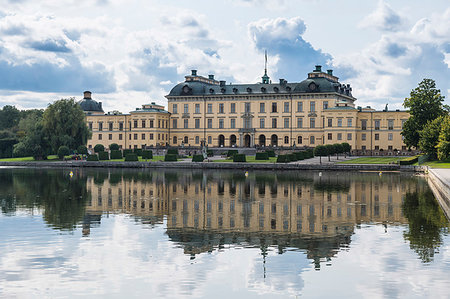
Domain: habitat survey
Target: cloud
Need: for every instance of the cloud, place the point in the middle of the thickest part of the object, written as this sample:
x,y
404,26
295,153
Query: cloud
x,y
49,45
384,18
282,38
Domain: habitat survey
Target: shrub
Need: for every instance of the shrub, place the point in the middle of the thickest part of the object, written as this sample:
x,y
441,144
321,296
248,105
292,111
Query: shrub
x,y
209,153
300,156
93,157
197,158
126,152
99,148
262,156
239,158
82,150
147,154
138,152
116,154
63,151
231,153
282,159
103,156
271,153
131,158
172,151
114,147
170,158
409,161
292,157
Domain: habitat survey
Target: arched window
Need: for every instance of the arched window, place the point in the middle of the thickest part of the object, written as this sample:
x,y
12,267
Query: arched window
x,y
299,140
286,139
175,140
186,140
311,140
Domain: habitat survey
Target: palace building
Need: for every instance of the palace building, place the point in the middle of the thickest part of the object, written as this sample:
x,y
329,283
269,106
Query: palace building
x,y
318,110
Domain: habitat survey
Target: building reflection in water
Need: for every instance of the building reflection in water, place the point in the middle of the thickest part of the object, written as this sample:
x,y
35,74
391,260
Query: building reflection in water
x,y
296,211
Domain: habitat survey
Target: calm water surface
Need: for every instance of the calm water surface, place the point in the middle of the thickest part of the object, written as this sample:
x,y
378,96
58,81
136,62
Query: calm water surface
x,y
172,234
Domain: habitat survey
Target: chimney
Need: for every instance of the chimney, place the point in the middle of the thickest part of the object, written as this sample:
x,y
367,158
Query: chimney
x,y
193,72
222,83
211,77
100,105
318,68
87,94
330,72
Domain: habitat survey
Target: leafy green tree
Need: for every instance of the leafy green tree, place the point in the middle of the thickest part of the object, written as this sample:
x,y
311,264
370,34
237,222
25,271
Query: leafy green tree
x,y
63,151
424,104
64,124
443,146
9,117
346,147
330,150
114,147
99,148
338,149
82,150
320,151
429,137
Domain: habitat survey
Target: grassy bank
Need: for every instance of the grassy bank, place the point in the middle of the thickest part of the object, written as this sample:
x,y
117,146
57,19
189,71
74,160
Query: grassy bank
x,y
373,160
250,159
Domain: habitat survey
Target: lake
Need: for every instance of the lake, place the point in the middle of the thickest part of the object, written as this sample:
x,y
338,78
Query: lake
x,y
220,234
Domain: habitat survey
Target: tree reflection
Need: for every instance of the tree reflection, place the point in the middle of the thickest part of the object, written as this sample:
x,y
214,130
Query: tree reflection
x,y
427,223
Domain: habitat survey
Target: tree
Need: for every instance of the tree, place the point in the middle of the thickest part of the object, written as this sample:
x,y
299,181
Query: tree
x,y
9,117
35,143
424,104
346,147
338,149
443,146
429,137
82,150
114,147
99,148
64,124
63,151
330,150
320,151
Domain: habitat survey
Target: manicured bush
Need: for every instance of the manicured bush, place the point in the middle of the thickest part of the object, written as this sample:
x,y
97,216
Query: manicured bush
x,y
262,156
172,151
116,154
147,154
127,151
292,157
209,153
93,157
282,159
271,153
103,156
197,158
409,161
231,153
138,152
63,151
300,155
239,158
113,147
99,148
131,158
82,150
170,158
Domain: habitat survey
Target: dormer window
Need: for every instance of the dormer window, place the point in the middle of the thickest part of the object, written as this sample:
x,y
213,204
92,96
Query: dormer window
x,y
235,90
263,89
223,90
249,90
211,90
288,88
275,89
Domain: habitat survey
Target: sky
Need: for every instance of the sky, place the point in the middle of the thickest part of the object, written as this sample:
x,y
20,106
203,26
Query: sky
x,y
129,52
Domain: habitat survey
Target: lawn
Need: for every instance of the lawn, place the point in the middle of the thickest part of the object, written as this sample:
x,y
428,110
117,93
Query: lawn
x,y
250,159
373,160
437,164
24,159
155,158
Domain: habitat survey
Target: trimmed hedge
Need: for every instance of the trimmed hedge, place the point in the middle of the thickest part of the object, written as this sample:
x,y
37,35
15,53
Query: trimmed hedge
x,y
283,159
93,157
209,153
197,158
231,153
131,158
147,154
138,152
409,161
239,158
127,151
116,154
300,155
170,158
292,157
172,151
103,156
262,156
271,153
99,148
114,147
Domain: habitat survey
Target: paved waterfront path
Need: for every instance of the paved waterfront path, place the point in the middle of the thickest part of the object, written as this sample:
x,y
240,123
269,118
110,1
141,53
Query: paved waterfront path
x,y
439,182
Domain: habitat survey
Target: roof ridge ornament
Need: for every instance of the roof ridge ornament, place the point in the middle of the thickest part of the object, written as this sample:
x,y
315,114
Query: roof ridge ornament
x,y
265,78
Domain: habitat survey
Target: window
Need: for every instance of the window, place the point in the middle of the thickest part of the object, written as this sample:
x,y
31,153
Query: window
x,y
197,140
339,136
390,124
135,124
151,136
99,136
300,122
377,124
209,124
300,107
100,126
186,140
186,108
110,136
312,122
247,123
330,122
186,123
143,136
330,136
312,106
299,139
197,123
233,108
363,124
349,136
349,122
325,105
110,125
286,123
363,137
377,147
129,136
339,122
261,123
175,108
274,123
390,136
174,123
390,147
286,139
286,106
120,136
377,136
403,122
262,107
311,140
209,109
197,108
220,123
247,107
209,139
151,123
274,107
233,123
175,140
121,126
90,126
221,108
135,136
363,147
